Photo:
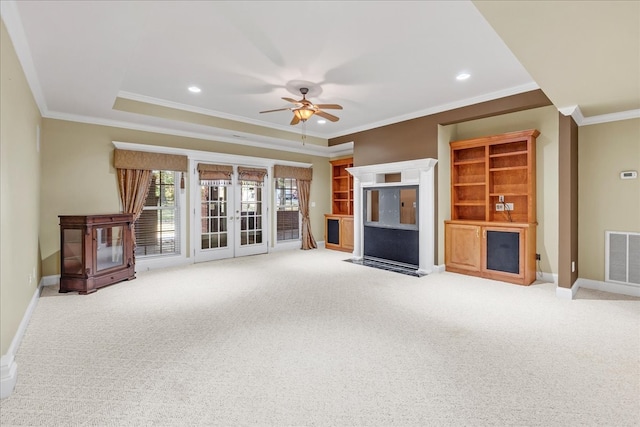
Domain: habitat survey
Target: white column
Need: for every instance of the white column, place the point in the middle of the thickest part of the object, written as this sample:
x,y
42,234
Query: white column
x,y
426,239
357,220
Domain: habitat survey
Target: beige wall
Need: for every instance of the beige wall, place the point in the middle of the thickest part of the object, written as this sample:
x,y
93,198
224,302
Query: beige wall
x,y
19,192
79,178
544,119
606,202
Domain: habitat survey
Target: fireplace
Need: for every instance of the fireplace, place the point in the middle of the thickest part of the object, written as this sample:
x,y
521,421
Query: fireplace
x,y
394,207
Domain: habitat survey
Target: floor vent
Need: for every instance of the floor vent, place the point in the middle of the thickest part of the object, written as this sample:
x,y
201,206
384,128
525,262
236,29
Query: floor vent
x,y
622,252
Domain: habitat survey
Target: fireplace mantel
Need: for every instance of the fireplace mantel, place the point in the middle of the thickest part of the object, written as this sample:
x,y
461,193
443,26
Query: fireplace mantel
x,y
412,172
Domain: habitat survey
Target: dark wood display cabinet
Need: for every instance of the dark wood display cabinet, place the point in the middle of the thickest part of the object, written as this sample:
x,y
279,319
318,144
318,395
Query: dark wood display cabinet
x,y
95,251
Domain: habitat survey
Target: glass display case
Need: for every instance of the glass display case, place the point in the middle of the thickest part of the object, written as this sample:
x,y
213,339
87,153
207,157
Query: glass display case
x,y
95,251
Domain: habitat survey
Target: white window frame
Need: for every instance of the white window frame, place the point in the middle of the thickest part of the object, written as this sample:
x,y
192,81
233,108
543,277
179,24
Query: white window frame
x,y
159,261
276,207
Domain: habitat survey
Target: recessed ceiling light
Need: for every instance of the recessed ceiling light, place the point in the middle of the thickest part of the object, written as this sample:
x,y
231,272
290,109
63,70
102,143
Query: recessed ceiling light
x,y
195,89
463,76
322,121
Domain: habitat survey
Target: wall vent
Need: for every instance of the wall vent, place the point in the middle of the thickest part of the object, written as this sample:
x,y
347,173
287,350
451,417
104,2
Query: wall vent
x,y
622,253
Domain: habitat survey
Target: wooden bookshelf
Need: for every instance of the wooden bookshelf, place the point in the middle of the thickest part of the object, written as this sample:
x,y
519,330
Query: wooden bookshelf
x,y
339,224
485,171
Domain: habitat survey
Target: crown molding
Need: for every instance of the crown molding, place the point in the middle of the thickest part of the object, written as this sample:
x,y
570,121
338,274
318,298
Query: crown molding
x,y
613,117
13,22
442,108
575,112
209,155
199,110
239,139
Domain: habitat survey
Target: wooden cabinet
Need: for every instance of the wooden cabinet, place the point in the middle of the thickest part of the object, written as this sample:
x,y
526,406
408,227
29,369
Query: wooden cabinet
x,y
339,232
493,190
500,251
339,224
462,247
95,251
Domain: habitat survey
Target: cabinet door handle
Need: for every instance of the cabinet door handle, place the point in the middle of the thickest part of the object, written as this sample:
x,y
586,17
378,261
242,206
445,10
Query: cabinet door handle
x,y
484,234
477,232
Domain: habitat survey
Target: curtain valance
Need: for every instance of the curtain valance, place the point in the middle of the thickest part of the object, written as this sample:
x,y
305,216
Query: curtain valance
x,y
301,174
208,172
143,160
251,174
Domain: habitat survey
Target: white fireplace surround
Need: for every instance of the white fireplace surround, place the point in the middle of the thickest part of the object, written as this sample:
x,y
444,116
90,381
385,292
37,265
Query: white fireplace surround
x,y
412,172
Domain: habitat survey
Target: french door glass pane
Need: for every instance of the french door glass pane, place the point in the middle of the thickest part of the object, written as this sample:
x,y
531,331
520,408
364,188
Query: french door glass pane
x,y
213,211
250,213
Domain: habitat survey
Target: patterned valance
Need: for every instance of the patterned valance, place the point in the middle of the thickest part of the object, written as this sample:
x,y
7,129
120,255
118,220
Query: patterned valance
x,y
143,160
251,174
210,172
301,174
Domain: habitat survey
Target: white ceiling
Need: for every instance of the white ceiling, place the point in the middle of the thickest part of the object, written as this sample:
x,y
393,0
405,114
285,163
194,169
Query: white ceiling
x,y
383,61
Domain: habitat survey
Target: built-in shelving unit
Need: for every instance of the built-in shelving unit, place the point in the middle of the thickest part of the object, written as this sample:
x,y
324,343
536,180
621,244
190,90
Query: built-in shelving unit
x,y
493,184
339,224
341,187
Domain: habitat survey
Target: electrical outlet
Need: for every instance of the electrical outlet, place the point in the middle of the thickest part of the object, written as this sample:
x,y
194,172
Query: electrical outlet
x,y
537,257
499,207
501,199
508,206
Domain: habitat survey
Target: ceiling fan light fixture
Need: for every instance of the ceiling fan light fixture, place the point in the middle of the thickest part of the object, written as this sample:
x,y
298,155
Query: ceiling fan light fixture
x,y
303,113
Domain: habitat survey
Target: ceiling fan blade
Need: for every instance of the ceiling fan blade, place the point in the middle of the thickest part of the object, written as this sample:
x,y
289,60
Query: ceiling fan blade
x,y
329,106
279,109
291,100
295,120
327,116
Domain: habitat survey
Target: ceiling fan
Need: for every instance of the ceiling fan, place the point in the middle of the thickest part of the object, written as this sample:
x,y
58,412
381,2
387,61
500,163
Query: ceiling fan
x,y
304,109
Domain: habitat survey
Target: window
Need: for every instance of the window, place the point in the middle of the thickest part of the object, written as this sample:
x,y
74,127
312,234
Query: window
x,y
288,217
158,228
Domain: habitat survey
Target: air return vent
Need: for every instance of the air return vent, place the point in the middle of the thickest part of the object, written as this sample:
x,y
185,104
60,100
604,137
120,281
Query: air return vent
x,y
622,252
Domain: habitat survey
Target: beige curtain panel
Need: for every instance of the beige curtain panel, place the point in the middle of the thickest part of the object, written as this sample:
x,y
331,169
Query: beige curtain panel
x,y
251,174
280,171
209,172
142,160
304,189
134,187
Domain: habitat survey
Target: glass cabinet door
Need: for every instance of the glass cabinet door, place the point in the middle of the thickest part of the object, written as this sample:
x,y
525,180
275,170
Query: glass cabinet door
x,y
72,251
109,247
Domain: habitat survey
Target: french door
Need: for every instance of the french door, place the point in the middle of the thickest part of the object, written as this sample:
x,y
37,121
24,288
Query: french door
x,y
230,219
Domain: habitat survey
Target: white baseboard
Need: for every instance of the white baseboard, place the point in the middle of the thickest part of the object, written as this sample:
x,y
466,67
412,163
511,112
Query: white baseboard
x,y
547,277
286,246
50,280
154,263
8,365
439,268
615,288
567,293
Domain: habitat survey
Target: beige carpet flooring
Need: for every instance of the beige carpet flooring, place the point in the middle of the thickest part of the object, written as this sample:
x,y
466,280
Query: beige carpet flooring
x,y
303,338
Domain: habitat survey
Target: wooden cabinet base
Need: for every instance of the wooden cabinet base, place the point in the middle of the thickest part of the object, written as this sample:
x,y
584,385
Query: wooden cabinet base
x,y
339,232
497,251
90,285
